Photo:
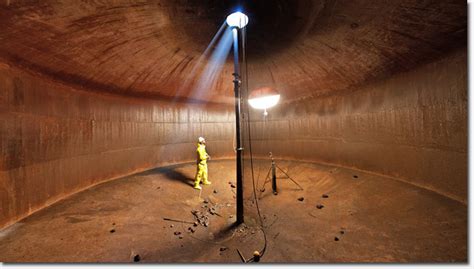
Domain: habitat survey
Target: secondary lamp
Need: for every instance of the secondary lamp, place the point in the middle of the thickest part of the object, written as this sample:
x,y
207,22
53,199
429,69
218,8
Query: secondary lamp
x,y
264,98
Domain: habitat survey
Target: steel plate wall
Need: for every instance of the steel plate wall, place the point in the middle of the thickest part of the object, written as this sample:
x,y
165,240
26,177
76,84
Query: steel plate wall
x,y
56,140
412,126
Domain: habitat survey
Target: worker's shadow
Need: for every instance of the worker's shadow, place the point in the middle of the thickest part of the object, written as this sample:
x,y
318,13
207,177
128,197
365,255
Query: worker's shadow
x,y
172,174
177,175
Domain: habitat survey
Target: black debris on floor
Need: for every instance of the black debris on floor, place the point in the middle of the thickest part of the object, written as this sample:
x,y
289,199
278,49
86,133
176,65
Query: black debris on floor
x,y
136,258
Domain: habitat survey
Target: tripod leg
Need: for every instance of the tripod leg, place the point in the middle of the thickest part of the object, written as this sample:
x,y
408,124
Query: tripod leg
x,y
274,182
264,184
289,177
266,179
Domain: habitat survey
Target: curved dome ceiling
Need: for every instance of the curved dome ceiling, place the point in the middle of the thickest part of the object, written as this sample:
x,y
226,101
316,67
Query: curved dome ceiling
x,y
152,48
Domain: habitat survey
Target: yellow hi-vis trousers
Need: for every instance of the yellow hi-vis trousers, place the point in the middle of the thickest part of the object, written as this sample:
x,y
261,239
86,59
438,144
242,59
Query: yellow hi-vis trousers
x,y
201,174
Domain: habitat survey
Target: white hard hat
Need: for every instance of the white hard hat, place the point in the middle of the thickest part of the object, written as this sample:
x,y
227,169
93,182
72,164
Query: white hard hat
x,y
201,139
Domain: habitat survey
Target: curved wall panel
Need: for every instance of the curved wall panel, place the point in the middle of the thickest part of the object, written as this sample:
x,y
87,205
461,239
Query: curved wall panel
x,y
412,126
56,140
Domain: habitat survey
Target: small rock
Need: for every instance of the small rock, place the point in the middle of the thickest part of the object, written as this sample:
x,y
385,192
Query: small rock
x,y
136,258
191,229
177,233
212,210
215,191
336,238
206,201
342,232
113,223
301,199
355,176
112,231
171,226
223,249
319,206
232,186
231,216
195,224
180,237
325,196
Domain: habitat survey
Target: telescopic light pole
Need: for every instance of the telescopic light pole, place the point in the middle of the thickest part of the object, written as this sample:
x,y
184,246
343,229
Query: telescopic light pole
x,y
237,21
239,149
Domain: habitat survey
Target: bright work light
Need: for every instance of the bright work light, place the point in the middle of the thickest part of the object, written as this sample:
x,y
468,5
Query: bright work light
x,y
237,19
264,102
264,98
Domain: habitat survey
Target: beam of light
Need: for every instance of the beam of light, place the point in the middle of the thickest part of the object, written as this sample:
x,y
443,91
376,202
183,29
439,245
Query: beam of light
x,y
237,19
199,63
213,68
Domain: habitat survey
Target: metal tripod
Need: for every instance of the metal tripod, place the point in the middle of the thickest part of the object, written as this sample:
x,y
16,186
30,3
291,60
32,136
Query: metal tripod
x,y
272,169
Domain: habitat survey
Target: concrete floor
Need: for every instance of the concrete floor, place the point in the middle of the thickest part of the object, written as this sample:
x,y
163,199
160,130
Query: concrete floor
x,y
366,218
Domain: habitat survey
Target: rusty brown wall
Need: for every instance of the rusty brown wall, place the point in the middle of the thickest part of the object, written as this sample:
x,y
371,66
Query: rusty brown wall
x,y
56,140
412,126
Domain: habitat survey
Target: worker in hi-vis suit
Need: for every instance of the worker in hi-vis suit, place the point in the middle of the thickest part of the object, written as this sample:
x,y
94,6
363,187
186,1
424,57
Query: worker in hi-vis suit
x,y
202,157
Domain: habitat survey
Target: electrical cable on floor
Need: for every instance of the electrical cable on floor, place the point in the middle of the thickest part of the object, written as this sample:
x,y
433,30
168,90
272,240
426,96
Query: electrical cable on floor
x,y
244,58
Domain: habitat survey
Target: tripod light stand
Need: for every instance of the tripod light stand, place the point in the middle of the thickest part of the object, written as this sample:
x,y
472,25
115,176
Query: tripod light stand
x,y
272,169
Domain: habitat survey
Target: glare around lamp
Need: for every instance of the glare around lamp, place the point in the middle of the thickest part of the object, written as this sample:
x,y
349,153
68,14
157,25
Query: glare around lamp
x,y
237,19
264,98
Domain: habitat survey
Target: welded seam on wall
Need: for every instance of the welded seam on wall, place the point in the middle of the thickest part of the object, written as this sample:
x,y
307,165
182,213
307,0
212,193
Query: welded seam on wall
x,y
104,121
441,148
191,144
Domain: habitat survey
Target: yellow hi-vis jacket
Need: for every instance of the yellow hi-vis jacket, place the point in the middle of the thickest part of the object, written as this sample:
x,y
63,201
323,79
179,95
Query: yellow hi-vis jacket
x,y
202,154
